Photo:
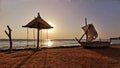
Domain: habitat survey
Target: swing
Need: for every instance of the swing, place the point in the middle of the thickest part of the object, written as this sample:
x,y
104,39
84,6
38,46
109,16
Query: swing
x,y
43,42
28,37
46,40
47,37
41,38
34,36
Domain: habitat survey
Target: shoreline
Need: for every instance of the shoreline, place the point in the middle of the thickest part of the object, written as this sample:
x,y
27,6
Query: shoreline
x,y
57,47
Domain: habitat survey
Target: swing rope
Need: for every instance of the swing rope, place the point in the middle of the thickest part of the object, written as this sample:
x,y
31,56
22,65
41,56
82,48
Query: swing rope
x,y
27,36
41,38
34,36
47,37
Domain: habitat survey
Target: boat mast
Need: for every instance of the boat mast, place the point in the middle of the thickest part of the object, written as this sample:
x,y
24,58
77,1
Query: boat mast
x,y
86,32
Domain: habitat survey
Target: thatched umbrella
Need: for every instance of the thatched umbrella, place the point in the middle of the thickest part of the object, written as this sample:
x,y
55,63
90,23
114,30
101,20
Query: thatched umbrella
x,y
39,24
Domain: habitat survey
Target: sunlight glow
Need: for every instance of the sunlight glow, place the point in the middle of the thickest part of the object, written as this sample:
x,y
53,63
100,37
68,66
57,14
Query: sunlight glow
x,y
53,29
49,43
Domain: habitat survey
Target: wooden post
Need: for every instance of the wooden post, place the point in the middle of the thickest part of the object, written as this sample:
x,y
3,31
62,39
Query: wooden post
x,y
87,30
38,38
10,38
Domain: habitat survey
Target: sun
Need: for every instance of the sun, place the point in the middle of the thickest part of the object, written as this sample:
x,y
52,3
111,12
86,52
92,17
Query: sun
x,y
52,30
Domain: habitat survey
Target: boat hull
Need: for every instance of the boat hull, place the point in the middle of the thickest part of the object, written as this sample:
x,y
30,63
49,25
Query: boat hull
x,y
95,44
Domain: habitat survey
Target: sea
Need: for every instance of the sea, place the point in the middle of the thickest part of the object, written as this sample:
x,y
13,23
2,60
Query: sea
x,y
24,43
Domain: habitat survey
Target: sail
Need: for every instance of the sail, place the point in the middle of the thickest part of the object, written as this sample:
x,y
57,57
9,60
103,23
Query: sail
x,y
91,32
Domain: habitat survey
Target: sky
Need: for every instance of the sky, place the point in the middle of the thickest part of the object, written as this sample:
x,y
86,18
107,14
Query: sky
x,y
66,16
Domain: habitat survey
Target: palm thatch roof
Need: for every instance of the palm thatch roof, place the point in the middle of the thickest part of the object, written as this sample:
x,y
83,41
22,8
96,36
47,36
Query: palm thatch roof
x,y
38,22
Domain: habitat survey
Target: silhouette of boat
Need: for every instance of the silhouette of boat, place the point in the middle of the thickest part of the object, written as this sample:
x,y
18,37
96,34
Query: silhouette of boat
x,y
91,35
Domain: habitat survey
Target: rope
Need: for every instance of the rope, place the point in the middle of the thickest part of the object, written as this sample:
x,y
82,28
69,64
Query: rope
x,y
34,36
27,36
47,37
41,37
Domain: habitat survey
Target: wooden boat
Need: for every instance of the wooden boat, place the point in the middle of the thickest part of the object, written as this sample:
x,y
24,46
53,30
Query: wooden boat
x,y
95,44
91,34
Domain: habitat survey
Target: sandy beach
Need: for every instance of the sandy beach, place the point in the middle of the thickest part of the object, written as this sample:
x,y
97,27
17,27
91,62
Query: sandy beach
x,y
77,57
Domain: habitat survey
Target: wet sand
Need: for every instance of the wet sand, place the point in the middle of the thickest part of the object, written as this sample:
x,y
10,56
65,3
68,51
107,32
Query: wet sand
x,y
77,57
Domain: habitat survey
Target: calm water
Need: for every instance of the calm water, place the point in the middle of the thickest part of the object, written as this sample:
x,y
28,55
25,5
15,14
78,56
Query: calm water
x,y
20,44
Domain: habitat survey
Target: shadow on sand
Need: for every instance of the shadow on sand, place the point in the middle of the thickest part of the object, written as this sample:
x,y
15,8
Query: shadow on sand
x,y
113,52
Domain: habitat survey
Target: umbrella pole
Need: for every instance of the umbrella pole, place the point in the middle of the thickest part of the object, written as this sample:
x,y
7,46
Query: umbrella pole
x,y
87,30
38,38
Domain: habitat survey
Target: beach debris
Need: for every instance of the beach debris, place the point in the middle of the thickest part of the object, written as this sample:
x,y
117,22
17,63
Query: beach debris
x,y
10,37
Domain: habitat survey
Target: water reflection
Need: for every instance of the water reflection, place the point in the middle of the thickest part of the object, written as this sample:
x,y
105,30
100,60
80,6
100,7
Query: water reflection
x,y
47,43
50,43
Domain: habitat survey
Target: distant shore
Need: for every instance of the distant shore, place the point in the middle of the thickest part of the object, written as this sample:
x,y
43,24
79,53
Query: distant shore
x,y
76,57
